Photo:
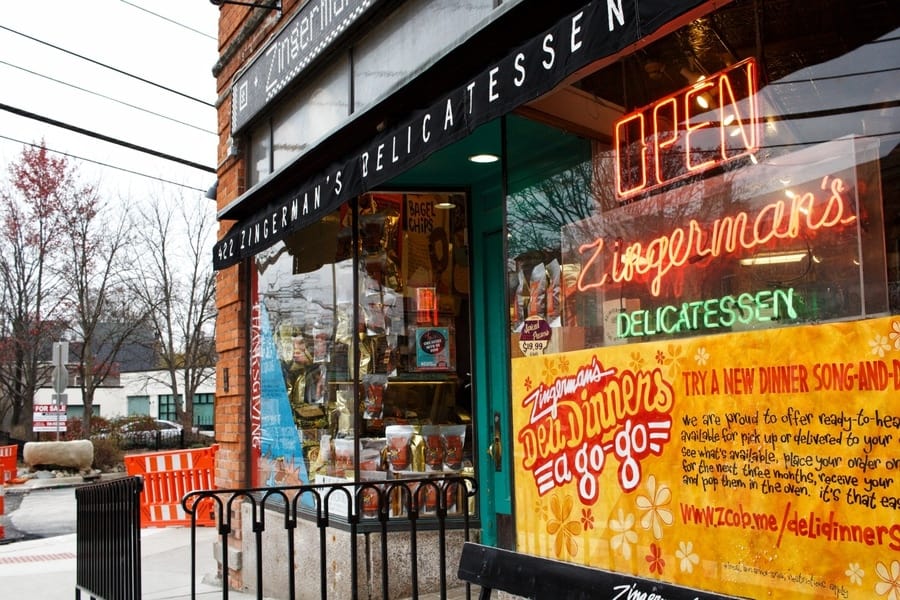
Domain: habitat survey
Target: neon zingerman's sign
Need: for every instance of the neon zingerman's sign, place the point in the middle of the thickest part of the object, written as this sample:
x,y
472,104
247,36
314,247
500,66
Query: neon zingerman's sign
x,y
676,137
727,311
742,233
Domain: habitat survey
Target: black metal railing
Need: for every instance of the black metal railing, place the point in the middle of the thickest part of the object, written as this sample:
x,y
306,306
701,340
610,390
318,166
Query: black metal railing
x,y
392,526
108,539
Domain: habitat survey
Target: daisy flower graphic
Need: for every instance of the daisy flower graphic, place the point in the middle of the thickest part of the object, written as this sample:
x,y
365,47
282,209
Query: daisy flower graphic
x,y
855,573
653,505
625,535
889,586
880,346
686,556
562,527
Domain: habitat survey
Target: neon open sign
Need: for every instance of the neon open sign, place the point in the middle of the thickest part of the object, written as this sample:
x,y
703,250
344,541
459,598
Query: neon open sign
x,y
711,122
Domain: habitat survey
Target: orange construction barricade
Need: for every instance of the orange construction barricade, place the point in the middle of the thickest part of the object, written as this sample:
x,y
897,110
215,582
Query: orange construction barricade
x,y
8,470
8,459
168,476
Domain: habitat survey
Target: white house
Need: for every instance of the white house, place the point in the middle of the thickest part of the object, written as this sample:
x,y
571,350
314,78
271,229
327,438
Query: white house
x,y
138,393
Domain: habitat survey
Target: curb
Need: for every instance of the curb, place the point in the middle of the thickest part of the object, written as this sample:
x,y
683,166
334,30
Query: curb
x,y
59,482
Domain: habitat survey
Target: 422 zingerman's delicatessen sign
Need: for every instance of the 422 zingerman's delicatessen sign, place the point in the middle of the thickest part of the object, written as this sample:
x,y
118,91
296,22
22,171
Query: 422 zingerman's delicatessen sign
x,y
738,441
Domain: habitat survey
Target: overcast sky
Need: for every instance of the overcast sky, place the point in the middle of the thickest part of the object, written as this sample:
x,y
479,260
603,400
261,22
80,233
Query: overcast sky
x,y
168,42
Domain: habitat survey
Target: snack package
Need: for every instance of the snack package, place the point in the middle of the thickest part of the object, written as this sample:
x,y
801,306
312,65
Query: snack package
x,y
344,452
554,293
320,461
417,450
373,312
426,495
342,415
397,437
454,437
569,287
373,403
522,298
434,448
373,495
537,304
370,454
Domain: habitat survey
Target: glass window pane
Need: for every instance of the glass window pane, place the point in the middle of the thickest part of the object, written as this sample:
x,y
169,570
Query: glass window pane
x,y
339,373
259,154
549,188
719,192
407,41
319,107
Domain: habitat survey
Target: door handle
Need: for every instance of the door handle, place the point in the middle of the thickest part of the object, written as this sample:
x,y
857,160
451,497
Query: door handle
x,y
495,449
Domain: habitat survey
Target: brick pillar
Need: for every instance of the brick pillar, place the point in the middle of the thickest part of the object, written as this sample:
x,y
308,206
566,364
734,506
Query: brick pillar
x,y
231,403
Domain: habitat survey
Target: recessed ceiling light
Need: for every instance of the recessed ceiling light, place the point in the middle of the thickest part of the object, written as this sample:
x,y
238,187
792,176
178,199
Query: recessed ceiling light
x,y
484,158
445,205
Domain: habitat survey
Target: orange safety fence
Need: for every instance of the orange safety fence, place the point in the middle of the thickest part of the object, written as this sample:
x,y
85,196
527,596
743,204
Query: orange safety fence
x,y
168,476
8,470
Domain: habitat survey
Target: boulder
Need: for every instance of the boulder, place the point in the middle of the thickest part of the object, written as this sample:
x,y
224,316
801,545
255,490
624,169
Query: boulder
x,y
75,454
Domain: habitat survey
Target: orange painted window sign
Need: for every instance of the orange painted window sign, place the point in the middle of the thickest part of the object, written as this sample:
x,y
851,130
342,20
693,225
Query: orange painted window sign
x,y
427,305
713,121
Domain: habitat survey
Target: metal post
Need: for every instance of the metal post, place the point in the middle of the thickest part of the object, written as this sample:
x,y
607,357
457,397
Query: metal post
x,y
60,376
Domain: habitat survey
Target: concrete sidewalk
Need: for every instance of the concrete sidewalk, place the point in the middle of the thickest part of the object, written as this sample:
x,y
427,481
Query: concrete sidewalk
x,y
45,568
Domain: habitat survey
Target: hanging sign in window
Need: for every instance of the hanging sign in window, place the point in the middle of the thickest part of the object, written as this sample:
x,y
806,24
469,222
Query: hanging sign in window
x,y
693,130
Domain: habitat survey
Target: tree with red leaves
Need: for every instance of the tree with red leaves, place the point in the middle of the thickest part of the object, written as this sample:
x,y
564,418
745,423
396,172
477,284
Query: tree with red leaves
x,y
42,192
63,273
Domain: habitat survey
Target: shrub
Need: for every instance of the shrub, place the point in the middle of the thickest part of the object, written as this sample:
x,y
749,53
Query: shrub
x,y
107,454
137,422
75,427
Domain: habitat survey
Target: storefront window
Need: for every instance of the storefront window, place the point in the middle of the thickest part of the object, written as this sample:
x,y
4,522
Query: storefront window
x,y
360,344
399,45
735,187
320,107
705,347
259,154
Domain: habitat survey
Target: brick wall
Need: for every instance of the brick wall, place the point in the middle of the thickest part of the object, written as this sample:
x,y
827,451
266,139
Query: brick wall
x,y
242,31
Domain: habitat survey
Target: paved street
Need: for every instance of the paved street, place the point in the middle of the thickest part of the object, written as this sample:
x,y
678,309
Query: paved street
x,y
43,512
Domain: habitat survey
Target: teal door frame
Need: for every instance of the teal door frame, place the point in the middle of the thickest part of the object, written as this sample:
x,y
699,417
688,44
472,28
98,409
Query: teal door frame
x,y
490,365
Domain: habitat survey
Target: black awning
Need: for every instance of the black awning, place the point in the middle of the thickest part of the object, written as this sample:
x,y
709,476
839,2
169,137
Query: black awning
x,y
597,30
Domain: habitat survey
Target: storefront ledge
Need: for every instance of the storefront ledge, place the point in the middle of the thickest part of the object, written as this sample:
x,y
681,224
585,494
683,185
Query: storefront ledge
x,y
234,556
277,562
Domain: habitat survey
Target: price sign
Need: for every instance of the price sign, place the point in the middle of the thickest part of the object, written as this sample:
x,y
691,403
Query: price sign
x,y
535,336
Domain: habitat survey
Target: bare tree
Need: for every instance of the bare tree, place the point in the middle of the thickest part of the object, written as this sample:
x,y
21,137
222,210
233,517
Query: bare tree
x,y
42,191
176,286
100,313
538,212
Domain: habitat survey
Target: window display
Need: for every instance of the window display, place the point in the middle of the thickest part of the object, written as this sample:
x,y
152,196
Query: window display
x,y
373,388
725,263
723,191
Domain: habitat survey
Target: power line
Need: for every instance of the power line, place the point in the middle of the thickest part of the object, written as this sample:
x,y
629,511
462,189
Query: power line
x,y
122,102
102,164
164,18
105,66
105,138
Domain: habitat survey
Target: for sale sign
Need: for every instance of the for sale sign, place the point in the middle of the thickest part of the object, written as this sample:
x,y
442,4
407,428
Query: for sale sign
x,y
50,417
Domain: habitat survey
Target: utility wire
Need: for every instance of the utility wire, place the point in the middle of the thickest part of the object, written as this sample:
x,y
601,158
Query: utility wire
x,y
122,102
102,164
121,72
105,138
164,18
